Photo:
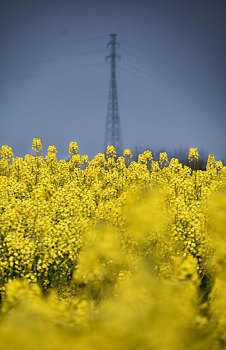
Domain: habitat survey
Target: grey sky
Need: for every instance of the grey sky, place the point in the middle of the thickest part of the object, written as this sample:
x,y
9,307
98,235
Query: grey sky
x,y
171,78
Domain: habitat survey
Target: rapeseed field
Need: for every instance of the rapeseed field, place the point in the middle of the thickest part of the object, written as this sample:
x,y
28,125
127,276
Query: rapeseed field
x,y
111,253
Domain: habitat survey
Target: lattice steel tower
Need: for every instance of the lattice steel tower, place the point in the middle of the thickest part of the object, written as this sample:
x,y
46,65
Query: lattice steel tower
x,y
113,135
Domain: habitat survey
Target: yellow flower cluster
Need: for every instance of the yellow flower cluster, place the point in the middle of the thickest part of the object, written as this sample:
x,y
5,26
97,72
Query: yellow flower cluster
x,y
37,147
73,148
111,252
6,152
193,154
127,153
163,159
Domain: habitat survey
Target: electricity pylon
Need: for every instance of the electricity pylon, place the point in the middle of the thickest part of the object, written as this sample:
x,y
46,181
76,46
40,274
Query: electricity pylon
x,y
113,135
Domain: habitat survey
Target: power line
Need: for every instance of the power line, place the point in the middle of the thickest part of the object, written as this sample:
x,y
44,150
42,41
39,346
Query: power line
x,y
30,76
153,61
55,42
168,86
52,59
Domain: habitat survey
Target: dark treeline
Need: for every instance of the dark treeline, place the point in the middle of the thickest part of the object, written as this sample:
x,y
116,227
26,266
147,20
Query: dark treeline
x,y
181,155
